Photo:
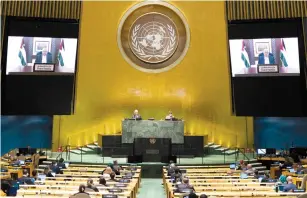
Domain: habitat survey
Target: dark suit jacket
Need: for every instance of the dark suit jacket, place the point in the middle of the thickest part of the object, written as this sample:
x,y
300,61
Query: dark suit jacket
x,y
26,180
137,117
261,59
39,57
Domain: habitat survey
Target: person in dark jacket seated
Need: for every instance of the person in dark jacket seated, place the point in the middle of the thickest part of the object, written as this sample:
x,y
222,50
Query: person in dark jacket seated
x,y
176,176
82,192
48,172
90,186
34,174
56,168
102,182
61,164
185,185
289,187
53,167
115,167
171,169
25,179
112,175
193,195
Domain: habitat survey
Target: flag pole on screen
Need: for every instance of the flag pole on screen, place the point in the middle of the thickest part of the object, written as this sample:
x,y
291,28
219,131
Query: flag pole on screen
x,y
283,54
22,53
244,56
61,52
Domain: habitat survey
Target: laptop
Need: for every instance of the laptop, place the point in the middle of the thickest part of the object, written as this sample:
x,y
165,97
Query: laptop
x,y
66,165
232,166
41,177
21,162
53,174
243,176
292,170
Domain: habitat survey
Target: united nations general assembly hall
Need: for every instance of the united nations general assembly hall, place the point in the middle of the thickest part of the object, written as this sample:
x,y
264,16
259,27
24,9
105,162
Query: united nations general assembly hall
x,y
153,99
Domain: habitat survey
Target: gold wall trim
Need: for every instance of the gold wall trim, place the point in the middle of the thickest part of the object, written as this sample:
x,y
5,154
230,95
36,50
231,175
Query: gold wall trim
x,y
46,9
240,10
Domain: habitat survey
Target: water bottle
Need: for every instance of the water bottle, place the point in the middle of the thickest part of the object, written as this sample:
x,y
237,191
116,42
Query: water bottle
x,y
276,188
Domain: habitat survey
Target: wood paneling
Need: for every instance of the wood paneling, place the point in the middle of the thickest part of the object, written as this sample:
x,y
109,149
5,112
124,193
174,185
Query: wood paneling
x,y
240,10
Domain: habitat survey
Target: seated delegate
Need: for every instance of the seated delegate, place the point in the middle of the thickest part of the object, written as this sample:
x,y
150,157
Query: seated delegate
x,y
90,187
48,172
55,168
115,167
185,185
61,164
102,182
106,173
81,192
25,179
249,171
176,176
112,177
289,187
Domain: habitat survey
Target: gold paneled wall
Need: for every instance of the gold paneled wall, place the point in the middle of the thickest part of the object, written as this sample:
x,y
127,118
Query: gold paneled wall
x,y
237,10
109,89
198,89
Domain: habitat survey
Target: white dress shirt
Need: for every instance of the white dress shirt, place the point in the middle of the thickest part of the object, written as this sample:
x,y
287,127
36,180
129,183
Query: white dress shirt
x,y
168,117
266,60
44,59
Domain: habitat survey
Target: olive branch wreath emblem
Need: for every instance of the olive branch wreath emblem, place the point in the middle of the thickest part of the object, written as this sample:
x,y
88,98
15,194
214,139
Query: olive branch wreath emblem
x,y
167,50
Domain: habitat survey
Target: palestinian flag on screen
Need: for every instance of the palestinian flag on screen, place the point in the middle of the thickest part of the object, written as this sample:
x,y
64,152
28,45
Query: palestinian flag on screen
x,y
244,56
61,53
22,54
283,54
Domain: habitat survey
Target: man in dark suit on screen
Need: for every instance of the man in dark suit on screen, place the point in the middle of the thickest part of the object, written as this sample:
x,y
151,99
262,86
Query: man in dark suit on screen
x,y
43,57
266,58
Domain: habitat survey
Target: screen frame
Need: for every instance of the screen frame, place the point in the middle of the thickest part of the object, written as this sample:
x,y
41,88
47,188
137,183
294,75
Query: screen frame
x,y
68,33
271,33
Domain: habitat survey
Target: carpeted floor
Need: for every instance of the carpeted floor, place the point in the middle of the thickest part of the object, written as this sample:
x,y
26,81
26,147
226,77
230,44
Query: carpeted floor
x,y
151,188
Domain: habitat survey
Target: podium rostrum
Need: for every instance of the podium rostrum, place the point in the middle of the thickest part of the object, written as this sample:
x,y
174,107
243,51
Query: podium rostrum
x,y
132,129
153,149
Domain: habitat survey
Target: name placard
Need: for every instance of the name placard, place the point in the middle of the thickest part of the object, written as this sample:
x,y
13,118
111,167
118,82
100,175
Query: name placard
x,y
268,69
44,67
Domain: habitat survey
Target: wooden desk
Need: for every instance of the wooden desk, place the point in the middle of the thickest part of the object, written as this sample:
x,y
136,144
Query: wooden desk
x,y
279,159
44,193
128,189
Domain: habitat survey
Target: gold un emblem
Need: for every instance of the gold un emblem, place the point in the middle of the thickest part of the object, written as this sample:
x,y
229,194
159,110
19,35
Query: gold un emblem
x,y
153,36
